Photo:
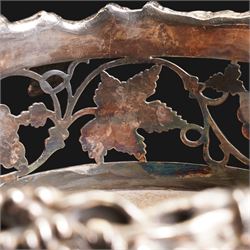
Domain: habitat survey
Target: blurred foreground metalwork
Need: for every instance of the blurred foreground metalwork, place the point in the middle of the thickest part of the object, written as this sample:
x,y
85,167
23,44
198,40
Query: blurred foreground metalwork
x,y
45,218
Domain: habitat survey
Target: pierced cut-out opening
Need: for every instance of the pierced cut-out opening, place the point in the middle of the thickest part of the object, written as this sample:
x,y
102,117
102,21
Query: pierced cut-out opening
x,y
112,214
214,148
225,116
115,156
62,97
143,88
193,135
179,216
54,80
33,139
211,93
236,163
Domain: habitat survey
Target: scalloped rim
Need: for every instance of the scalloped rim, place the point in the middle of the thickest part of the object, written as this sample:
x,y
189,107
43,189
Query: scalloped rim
x,y
44,20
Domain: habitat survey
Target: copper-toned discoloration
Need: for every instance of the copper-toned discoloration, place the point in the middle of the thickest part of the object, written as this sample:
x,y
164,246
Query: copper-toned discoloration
x,y
228,82
12,151
38,115
120,32
204,172
122,108
243,113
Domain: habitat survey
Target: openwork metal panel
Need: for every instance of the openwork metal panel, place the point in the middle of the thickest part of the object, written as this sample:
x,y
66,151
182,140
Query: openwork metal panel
x,y
121,107
57,220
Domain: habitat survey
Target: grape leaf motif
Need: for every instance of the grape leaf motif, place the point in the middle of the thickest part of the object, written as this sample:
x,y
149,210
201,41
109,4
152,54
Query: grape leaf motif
x,y
122,109
227,82
36,116
12,151
243,113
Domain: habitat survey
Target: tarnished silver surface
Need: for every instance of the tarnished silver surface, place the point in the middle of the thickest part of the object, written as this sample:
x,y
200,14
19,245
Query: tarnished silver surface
x,y
121,106
115,176
44,218
121,109
35,217
120,32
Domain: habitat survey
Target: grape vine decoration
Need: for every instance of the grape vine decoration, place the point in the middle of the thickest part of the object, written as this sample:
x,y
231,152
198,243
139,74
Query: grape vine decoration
x,y
121,108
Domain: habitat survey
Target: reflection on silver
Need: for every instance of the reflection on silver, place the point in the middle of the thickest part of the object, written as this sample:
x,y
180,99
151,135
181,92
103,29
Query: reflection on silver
x,y
45,218
116,121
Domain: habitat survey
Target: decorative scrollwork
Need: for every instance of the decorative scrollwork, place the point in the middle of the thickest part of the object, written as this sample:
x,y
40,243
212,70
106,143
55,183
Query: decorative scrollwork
x,y
121,109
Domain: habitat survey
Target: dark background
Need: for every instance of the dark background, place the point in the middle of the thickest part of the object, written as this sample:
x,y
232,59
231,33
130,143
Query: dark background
x,y
160,147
